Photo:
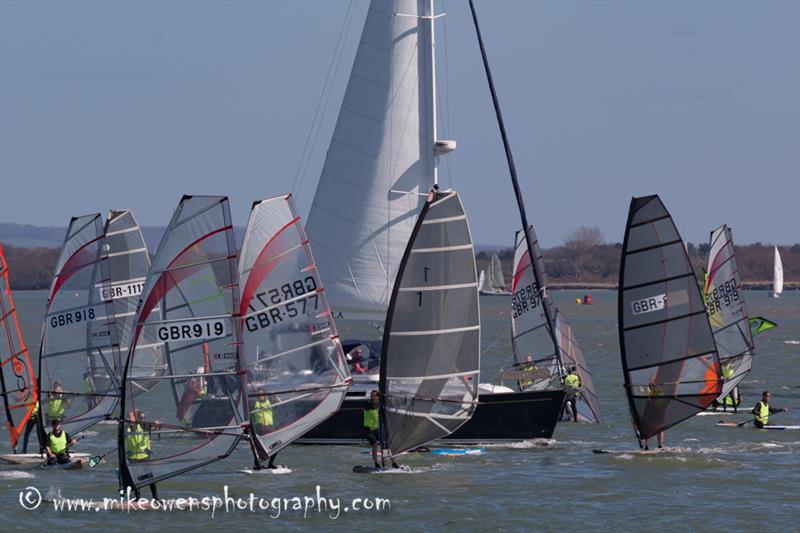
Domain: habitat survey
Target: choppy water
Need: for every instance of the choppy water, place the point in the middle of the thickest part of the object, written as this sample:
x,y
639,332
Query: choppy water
x,y
720,479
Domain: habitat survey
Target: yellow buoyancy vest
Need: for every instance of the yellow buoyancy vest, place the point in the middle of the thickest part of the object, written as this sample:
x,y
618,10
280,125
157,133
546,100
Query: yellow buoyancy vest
x,y
262,413
762,412
137,443
58,444
371,418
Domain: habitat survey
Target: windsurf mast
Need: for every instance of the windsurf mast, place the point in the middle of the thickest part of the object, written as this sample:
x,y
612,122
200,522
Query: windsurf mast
x,y
526,228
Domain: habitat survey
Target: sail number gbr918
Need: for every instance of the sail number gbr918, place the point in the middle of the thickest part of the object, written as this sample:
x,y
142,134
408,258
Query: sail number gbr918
x,y
287,301
525,299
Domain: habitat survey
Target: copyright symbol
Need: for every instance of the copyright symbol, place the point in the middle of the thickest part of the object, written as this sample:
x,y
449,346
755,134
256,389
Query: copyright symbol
x,y
30,498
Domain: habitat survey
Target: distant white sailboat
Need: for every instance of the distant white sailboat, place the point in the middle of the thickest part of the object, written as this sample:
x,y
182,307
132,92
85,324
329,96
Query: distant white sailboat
x,y
494,284
777,275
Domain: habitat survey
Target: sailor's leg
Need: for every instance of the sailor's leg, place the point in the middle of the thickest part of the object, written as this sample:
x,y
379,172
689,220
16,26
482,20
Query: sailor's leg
x,y
271,463
154,491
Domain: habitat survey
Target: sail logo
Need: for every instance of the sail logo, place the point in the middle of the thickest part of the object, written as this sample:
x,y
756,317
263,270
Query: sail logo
x,y
193,330
648,305
122,289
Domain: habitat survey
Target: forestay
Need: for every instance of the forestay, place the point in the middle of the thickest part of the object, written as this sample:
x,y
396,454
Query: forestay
x,y
380,163
727,312
532,338
79,337
669,358
297,374
17,379
572,355
194,414
430,364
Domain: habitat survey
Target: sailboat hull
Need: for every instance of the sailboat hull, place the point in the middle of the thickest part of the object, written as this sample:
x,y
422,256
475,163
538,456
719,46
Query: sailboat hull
x,y
500,417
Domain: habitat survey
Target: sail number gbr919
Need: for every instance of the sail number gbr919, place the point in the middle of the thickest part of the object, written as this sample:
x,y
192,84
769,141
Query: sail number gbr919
x,y
189,330
289,300
525,299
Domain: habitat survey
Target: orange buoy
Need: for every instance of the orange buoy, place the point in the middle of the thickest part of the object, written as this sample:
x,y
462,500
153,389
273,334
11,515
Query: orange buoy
x,y
587,299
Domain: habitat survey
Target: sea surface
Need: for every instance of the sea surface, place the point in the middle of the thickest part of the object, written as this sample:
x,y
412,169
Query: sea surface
x,y
712,479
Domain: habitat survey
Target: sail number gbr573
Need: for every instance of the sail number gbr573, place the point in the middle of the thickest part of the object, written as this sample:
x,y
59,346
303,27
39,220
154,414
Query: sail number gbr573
x,y
288,301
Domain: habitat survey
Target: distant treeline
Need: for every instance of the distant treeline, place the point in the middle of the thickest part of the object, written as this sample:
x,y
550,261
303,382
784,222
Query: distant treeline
x,y
598,264
573,263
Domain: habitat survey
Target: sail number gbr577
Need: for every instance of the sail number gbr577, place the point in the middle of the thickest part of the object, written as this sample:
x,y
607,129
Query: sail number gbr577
x,y
288,301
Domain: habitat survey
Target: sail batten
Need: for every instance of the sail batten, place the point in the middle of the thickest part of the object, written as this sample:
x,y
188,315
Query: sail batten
x,y
669,357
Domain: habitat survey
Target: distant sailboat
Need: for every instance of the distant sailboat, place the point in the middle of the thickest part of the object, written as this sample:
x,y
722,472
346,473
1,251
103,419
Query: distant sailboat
x,y
669,357
777,275
494,284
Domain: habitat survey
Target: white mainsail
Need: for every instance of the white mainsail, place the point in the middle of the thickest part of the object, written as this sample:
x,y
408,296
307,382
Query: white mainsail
x,y
777,275
496,279
380,164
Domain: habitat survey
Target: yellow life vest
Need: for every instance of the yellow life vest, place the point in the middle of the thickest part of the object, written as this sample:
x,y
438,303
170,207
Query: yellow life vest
x,y
55,408
371,418
524,383
573,381
137,443
762,412
262,413
727,371
57,445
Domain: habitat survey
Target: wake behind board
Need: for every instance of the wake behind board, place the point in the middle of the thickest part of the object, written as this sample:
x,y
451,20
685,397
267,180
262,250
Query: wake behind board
x,y
33,458
656,451
278,470
457,452
364,469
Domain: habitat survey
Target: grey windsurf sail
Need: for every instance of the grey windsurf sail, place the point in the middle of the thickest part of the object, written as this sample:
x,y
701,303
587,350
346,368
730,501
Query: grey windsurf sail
x,y
572,356
430,366
669,358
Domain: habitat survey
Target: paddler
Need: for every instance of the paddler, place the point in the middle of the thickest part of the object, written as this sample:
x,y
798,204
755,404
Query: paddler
x,y
572,384
57,444
762,410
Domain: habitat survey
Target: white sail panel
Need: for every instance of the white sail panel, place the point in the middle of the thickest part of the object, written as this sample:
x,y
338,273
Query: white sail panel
x,y
497,281
532,340
430,365
727,312
295,358
380,163
777,274
193,282
79,339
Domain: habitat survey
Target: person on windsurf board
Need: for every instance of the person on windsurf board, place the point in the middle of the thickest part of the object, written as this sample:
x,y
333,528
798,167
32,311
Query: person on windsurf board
x,y
57,445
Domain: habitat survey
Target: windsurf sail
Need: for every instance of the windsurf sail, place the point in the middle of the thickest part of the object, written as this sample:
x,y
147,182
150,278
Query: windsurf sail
x,y
777,275
380,163
532,339
297,373
195,413
759,324
572,356
727,312
669,357
430,366
17,379
79,336
496,279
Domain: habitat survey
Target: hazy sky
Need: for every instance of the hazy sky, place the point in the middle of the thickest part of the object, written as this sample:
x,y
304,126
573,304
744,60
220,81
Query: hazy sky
x,y
133,104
